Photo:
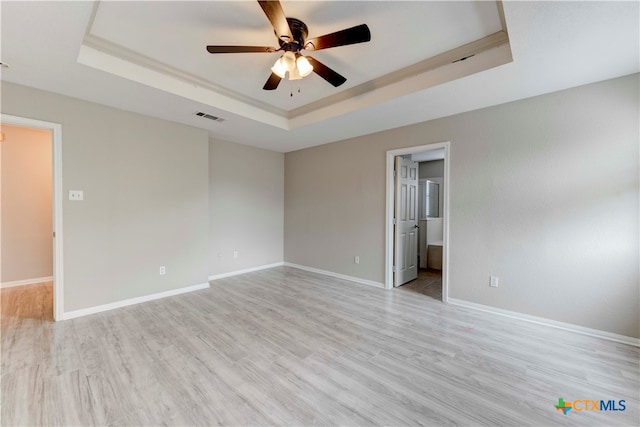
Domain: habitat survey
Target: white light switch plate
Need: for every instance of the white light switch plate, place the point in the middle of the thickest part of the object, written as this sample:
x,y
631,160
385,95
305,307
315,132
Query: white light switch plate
x,y
493,281
76,195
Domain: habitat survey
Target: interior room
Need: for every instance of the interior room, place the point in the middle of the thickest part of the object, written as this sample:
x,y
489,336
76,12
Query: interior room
x,y
320,213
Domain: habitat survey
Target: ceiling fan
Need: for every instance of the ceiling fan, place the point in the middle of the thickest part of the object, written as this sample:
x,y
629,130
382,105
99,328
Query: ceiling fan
x,y
292,37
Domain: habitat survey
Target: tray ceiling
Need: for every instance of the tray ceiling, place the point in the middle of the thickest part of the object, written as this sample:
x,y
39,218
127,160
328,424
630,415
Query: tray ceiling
x,y
171,50
150,58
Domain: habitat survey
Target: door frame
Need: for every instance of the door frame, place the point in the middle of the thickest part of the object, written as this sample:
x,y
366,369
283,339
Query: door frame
x,y
390,201
58,265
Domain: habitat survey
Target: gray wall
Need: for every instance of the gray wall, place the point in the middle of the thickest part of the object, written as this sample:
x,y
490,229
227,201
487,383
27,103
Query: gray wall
x,y
146,201
432,169
544,194
246,187
27,211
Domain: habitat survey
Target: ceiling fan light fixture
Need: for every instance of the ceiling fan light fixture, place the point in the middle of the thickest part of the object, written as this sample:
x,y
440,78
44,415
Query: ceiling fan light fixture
x,y
289,59
279,68
286,62
304,66
294,74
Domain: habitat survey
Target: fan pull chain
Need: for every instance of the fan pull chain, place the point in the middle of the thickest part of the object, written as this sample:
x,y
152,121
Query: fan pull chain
x,y
290,89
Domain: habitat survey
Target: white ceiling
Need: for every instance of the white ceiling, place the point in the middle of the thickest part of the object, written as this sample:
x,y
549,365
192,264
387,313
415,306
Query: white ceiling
x,y
428,156
177,35
150,58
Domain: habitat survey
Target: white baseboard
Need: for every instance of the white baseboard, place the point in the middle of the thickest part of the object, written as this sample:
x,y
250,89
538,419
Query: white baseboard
x,y
548,322
246,270
26,282
131,301
336,275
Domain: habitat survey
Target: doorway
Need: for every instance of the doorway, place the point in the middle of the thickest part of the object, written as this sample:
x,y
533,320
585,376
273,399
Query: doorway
x,y
438,248
53,131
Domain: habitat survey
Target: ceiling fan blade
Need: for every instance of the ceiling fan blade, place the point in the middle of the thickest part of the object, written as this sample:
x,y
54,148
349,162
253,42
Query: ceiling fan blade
x,y
326,73
272,82
353,35
239,49
275,14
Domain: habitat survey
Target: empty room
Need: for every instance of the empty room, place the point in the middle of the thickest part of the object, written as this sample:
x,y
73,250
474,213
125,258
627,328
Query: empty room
x,y
336,213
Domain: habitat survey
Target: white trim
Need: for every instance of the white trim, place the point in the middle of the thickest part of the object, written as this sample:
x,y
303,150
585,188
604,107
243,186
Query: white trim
x,y
548,322
246,270
391,154
132,301
336,275
26,282
58,197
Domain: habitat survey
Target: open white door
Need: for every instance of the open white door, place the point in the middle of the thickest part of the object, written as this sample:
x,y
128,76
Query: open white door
x,y
406,221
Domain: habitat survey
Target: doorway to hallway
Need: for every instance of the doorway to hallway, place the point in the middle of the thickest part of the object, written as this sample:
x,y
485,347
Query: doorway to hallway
x,y
32,244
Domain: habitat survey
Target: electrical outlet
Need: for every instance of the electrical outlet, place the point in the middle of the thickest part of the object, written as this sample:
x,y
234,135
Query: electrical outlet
x,y
163,270
493,281
76,195
235,254
220,255
356,259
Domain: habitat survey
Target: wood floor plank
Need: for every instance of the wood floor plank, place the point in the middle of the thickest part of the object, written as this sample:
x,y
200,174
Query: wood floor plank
x,y
288,347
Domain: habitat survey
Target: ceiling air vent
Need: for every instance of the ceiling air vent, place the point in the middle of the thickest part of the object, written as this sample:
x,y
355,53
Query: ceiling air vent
x,y
462,59
209,116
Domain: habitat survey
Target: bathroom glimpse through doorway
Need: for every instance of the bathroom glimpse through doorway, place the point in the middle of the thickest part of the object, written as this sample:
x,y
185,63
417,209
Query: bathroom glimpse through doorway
x,y
432,221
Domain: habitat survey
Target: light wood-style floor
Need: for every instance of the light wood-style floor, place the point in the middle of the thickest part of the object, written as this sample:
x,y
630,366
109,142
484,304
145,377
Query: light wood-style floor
x,y
288,347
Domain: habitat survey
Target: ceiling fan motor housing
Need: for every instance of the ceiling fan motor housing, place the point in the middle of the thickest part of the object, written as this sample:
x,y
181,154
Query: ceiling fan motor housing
x,y
299,31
